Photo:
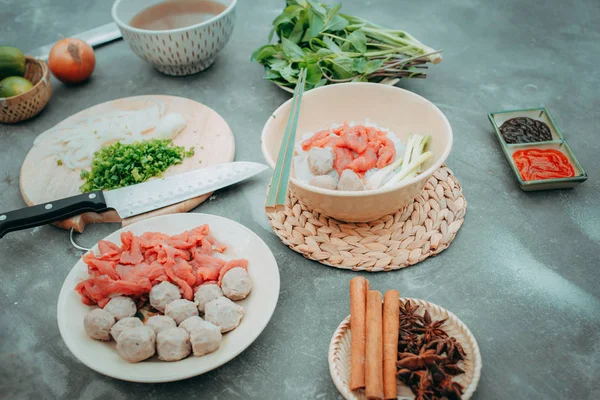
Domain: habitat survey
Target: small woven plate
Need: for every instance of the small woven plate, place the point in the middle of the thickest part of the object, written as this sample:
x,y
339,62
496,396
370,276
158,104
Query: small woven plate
x,y
424,228
339,355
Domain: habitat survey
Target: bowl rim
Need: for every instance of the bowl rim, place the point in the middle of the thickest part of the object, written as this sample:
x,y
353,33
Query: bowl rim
x,y
128,27
369,192
45,77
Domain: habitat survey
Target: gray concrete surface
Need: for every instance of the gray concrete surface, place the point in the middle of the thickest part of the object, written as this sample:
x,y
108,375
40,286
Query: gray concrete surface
x,y
523,272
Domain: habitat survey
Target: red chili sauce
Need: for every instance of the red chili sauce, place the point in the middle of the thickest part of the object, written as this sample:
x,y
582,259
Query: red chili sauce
x,y
534,164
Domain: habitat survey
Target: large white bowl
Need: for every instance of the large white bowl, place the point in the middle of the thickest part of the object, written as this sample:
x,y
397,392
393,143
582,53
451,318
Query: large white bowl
x,y
398,110
182,51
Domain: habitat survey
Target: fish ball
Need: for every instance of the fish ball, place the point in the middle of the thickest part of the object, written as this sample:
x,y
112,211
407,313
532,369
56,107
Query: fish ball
x,y
173,344
350,181
123,325
97,324
320,160
159,323
191,324
236,283
206,293
205,339
121,307
224,313
137,344
180,310
162,294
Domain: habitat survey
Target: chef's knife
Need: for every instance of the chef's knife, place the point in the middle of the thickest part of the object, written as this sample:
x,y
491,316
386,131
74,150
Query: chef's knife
x,y
94,37
135,199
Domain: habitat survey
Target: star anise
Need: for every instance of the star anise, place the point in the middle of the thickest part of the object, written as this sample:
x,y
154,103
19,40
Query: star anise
x,y
452,390
409,342
424,359
444,384
431,329
404,374
439,344
452,369
454,350
437,375
428,357
422,387
408,315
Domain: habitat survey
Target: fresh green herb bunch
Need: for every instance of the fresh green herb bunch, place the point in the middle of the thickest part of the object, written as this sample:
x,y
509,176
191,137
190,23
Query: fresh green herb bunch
x,y
336,47
121,165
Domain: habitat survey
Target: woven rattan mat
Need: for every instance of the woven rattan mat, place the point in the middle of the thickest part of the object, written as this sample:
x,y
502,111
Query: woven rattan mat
x,y
424,228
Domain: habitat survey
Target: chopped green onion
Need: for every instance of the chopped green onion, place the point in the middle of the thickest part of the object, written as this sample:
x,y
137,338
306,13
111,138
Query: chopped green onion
x,y
121,165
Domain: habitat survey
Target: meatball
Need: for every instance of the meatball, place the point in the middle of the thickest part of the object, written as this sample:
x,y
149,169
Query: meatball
x,y
206,293
97,324
173,344
137,344
121,307
224,313
236,283
350,181
205,339
191,323
162,294
160,322
180,310
324,182
320,161
123,325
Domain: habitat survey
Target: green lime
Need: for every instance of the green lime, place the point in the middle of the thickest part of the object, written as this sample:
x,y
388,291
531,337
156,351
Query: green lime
x,y
14,86
12,62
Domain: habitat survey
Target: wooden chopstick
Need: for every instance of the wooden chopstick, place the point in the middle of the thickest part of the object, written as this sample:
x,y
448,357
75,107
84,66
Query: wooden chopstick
x,y
277,194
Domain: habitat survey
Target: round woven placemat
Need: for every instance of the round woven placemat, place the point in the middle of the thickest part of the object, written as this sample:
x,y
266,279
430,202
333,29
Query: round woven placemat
x,y
422,229
339,354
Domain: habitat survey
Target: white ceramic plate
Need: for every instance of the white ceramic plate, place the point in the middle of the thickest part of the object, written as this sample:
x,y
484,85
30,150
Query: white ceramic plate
x,y
259,305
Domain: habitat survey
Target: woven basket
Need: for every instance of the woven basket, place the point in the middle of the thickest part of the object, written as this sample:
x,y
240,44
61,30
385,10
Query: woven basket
x,y
339,355
24,106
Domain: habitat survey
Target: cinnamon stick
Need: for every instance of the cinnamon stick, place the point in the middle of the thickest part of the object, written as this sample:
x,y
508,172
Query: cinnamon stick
x,y
374,347
391,327
359,287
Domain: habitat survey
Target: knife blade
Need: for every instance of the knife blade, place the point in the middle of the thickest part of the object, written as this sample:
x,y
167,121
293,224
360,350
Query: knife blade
x,y
135,199
94,37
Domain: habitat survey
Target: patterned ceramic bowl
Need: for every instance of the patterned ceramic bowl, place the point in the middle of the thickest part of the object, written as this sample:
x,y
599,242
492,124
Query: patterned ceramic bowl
x,y
182,51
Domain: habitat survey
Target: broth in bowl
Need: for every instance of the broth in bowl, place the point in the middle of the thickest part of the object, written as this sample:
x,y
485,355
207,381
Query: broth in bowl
x,y
175,14
178,37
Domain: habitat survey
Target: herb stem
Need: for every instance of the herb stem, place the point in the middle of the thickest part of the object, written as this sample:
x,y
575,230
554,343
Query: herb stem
x,y
336,37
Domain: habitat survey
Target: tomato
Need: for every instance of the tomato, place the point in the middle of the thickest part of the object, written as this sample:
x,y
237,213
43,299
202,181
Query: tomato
x,y
72,60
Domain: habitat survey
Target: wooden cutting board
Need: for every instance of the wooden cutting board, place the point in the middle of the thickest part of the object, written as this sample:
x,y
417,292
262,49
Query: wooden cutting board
x,y
43,180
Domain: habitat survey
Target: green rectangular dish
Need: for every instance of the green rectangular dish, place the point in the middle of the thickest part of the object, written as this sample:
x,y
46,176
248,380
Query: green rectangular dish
x,y
558,142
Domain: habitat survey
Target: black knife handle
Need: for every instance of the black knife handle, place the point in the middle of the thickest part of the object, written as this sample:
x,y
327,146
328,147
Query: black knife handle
x,y
51,211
